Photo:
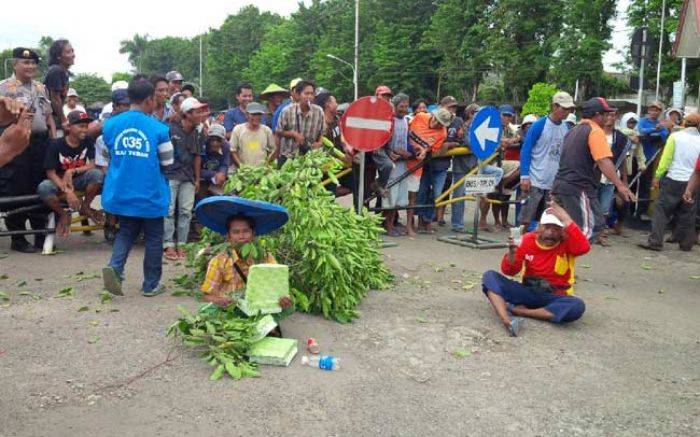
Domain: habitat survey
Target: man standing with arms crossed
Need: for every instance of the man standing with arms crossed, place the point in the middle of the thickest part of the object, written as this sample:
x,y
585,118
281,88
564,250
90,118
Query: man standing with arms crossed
x,y
135,188
585,155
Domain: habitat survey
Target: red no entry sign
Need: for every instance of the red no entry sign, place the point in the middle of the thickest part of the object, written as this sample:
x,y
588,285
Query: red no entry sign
x,y
367,123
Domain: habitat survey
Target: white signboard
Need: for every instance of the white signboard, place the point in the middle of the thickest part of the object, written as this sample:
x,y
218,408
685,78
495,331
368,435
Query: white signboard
x,y
677,101
480,184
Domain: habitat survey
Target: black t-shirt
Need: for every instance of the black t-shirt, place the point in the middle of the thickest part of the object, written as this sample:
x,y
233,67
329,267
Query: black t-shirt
x,y
56,80
61,157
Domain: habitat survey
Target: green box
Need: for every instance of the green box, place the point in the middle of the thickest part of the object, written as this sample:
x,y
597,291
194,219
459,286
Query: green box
x,y
273,351
266,284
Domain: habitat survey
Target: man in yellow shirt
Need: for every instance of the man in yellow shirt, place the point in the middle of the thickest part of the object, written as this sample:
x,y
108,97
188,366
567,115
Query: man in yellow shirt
x,y
239,219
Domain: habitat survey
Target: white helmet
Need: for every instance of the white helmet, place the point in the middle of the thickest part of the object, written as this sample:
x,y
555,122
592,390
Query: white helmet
x,y
529,119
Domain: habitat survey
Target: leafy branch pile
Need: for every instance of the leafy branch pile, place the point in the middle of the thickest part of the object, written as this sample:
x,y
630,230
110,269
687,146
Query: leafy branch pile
x,y
222,338
332,252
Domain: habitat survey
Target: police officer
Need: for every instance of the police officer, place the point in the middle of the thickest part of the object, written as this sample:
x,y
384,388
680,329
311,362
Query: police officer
x,y
22,175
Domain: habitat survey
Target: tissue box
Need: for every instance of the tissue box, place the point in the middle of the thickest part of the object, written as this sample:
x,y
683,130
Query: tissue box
x,y
273,351
266,284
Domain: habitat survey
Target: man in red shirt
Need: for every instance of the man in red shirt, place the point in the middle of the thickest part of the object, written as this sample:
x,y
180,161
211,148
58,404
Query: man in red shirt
x,y
546,258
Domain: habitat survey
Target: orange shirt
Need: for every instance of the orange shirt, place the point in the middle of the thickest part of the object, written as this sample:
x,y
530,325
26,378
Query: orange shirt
x,y
420,125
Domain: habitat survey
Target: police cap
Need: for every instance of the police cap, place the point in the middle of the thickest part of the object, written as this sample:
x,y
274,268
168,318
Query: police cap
x,y
24,53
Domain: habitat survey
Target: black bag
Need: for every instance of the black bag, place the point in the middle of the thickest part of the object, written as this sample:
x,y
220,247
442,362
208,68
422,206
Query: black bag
x,y
538,284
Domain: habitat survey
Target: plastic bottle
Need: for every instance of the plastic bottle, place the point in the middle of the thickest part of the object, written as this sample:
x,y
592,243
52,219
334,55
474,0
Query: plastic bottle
x,y
324,362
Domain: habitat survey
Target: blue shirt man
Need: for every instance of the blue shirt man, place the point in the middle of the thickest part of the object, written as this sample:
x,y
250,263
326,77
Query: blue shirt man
x,y
237,115
652,133
135,188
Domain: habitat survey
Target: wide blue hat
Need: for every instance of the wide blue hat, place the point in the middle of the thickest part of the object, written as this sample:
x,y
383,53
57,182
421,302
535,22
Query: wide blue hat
x,y
213,212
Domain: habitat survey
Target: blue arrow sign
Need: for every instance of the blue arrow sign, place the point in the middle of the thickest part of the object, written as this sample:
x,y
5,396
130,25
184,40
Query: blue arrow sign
x,y
485,132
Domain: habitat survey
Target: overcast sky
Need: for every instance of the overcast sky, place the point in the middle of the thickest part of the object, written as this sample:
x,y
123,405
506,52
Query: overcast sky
x,y
95,29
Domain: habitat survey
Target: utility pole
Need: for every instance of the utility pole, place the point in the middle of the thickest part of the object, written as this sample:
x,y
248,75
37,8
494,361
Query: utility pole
x,y
200,66
641,72
661,43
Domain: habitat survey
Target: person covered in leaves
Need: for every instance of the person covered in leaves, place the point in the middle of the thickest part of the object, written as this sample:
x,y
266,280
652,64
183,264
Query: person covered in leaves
x,y
546,258
238,219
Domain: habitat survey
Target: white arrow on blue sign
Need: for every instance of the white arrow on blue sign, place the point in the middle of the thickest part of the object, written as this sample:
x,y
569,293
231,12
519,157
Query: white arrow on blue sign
x,y
485,132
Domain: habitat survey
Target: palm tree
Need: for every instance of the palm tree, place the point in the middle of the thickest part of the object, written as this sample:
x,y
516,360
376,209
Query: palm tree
x,y
135,48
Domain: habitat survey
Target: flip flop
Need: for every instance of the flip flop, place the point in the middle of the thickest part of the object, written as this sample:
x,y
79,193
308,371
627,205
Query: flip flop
x,y
515,325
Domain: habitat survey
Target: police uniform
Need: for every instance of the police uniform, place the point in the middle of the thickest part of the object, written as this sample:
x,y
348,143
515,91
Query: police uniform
x,y
22,175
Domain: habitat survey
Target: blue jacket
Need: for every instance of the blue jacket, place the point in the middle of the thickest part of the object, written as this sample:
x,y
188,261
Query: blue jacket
x,y
652,138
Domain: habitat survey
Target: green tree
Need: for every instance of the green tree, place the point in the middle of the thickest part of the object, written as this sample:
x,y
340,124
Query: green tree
x,y
231,47
91,88
584,38
648,13
134,48
539,99
121,76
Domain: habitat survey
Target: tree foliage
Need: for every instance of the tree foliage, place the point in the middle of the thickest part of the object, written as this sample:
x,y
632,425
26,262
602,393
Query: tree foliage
x,y
91,88
473,49
539,99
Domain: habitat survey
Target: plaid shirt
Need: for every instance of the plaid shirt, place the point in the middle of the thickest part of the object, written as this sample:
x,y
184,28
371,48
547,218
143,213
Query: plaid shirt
x,y
293,119
222,279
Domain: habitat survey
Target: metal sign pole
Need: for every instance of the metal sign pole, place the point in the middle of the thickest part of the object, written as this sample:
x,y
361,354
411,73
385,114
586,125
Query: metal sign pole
x,y
477,208
361,184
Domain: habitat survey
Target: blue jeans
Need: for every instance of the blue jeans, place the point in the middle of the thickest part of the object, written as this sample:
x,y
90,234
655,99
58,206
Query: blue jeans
x,y
565,309
182,196
605,197
431,184
129,229
458,207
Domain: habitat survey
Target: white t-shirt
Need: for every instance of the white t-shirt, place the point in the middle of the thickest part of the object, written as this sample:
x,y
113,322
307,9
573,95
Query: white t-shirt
x,y
67,110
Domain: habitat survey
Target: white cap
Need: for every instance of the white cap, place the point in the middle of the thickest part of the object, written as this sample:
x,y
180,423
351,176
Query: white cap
x,y
120,85
72,93
191,103
563,99
550,219
571,118
529,118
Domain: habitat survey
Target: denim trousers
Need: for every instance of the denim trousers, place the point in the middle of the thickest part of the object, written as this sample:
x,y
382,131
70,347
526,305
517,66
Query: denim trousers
x,y
431,184
182,197
129,230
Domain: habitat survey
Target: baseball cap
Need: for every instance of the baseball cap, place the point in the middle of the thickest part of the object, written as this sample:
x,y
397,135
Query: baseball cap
x,y
120,97
78,116
657,104
571,118
120,85
72,93
563,99
173,76
190,104
381,90
529,119
595,105
217,130
294,82
506,110
255,108
443,116
550,219
448,101
174,98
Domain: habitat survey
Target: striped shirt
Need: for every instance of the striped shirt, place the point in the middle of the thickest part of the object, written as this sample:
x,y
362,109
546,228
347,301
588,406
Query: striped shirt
x,y
309,124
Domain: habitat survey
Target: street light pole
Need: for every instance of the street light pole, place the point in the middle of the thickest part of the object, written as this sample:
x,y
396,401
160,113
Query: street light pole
x,y
661,44
355,68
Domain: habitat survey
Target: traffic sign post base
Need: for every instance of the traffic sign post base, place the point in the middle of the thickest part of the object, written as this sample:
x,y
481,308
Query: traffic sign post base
x,y
472,243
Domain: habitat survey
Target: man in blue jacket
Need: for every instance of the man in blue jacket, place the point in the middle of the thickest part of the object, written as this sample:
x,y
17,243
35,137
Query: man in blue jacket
x,y
653,133
135,188
539,156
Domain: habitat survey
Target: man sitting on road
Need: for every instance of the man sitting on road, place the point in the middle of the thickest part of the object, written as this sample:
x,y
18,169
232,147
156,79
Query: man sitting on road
x,y
547,258
70,167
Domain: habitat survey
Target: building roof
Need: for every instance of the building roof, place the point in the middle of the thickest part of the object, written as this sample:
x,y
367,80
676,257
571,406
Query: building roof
x,y
687,44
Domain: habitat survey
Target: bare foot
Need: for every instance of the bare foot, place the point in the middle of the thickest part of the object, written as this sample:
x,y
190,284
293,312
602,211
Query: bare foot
x,y
94,215
63,225
170,254
181,253
484,227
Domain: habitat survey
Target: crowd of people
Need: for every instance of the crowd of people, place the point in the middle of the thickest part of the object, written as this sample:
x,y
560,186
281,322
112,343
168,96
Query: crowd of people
x,y
155,150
